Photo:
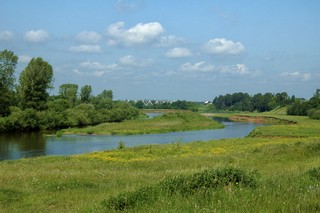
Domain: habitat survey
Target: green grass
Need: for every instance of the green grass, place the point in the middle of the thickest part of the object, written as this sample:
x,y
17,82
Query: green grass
x,y
169,122
285,168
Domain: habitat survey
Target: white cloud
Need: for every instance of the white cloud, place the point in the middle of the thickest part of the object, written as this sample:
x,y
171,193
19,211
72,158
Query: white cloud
x,y
178,53
297,75
96,73
24,58
6,35
36,36
139,34
171,40
130,60
98,66
233,70
238,69
200,66
88,37
223,46
85,49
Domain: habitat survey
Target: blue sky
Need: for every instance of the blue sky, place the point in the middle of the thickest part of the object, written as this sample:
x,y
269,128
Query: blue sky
x,y
187,50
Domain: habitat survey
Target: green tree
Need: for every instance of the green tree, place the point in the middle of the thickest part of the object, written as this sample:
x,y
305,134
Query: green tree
x,y
104,100
8,61
85,94
69,92
35,80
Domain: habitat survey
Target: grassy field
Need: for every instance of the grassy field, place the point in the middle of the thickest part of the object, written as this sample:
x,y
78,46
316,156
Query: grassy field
x,y
169,122
274,169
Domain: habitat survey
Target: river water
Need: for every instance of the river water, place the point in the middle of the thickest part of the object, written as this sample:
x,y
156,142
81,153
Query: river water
x,y
15,146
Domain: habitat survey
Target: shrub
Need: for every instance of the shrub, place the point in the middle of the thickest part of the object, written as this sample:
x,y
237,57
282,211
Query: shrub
x,y
314,173
121,145
183,184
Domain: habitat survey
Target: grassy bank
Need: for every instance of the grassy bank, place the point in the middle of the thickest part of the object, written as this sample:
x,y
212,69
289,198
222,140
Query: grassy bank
x,y
169,122
285,171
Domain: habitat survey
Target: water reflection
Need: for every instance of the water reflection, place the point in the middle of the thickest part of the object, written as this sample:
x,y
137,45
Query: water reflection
x,y
19,145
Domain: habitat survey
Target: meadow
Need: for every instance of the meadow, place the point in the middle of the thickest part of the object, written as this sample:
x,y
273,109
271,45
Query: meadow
x,y
169,122
274,169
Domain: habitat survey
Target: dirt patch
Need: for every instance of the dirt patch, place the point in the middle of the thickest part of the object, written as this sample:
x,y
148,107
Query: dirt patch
x,y
260,119
243,118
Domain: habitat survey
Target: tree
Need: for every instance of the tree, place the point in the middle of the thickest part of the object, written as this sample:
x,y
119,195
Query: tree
x,y
69,92
282,99
104,100
8,63
35,80
85,93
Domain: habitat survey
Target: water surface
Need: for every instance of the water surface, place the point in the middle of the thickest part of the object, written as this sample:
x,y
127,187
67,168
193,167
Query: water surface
x,y
15,146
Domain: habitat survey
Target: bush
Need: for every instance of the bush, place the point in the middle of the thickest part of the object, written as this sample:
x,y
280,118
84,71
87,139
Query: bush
x,y
314,173
121,145
314,114
183,184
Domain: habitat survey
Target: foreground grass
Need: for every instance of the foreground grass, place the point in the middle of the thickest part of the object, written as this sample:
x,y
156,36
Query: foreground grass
x,y
287,180
169,122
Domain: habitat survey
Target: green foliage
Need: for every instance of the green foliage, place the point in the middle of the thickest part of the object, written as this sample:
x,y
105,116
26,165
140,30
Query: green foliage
x,y
121,145
85,94
176,105
314,173
314,113
310,107
8,63
21,120
244,102
35,80
69,92
185,185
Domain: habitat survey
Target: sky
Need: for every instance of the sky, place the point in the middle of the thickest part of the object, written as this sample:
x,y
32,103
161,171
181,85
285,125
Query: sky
x,y
169,50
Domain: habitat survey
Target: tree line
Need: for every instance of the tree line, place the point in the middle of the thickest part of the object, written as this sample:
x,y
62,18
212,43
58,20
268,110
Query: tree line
x,y
28,105
310,108
267,102
177,105
258,102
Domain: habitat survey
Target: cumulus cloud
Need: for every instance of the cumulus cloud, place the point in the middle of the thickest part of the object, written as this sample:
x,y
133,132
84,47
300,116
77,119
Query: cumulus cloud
x,y
178,53
88,37
93,68
228,70
36,36
6,35
223,46
198,67
24,58
85,49
297,75
139,34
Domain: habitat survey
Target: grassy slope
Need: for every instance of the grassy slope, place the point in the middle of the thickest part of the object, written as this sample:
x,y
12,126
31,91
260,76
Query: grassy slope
x,y
170,122
81,183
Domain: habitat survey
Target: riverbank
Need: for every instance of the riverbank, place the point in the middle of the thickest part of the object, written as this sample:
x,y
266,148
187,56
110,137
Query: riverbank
x,y
169,122
284,172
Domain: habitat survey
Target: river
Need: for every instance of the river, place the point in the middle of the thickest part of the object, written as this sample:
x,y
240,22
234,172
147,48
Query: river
x,y
24,145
